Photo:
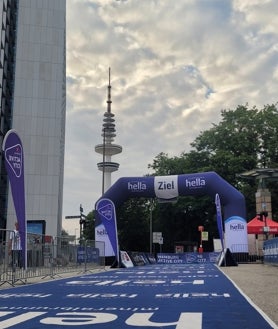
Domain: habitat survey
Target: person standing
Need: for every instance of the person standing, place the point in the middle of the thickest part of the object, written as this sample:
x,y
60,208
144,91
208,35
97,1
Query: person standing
x,y
15,248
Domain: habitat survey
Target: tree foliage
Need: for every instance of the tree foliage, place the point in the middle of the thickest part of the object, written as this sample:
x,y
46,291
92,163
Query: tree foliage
x,y
245,139
133,225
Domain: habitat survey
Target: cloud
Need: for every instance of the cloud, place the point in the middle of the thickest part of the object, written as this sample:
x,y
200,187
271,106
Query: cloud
x,y
174,66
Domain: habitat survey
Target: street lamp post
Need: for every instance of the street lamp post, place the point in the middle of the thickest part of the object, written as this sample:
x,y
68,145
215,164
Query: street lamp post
x,y
103,160
201,229
151,227
263,216
81,221
151,205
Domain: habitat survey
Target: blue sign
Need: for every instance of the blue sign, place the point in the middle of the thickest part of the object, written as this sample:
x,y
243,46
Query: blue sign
x,y
87,255
188,258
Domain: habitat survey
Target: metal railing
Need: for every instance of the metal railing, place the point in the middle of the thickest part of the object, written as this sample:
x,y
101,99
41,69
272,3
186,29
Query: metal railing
x,y
48,257
240,254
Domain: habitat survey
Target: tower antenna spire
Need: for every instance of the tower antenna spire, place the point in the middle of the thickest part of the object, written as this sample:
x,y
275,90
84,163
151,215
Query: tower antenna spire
x,y
109,102
108,148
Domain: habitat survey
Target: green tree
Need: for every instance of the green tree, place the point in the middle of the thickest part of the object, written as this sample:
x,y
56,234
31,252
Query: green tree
x,y
133,225
268,121
245,139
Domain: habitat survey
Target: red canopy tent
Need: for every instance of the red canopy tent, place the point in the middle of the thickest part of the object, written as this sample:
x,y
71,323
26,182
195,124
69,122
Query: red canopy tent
x,y
256,226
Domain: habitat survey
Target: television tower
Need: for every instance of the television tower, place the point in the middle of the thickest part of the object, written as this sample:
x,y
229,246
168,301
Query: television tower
x,y
107,148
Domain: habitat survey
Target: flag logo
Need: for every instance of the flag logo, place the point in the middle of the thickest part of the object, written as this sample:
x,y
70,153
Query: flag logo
x,y
106,211
13,156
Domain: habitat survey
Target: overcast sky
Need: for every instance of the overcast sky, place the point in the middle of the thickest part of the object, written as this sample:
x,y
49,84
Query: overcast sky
x,y
175,64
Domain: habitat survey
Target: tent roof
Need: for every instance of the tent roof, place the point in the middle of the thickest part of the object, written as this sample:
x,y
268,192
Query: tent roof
x,y
256,226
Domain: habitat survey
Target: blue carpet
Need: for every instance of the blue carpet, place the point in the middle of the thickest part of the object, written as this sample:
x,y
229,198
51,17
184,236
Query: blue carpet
x,y
162,296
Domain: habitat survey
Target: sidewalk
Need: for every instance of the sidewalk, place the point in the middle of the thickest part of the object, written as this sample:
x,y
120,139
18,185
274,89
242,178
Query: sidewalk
x,y
260,283
40,279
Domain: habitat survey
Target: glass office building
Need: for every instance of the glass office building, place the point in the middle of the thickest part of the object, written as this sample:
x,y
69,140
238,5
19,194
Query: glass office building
x,y
33,102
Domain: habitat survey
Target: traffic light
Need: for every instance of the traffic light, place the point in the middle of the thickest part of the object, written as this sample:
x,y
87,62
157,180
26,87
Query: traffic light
x,y
82,221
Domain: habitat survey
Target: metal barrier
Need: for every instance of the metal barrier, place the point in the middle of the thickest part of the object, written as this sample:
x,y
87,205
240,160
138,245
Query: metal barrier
x,y
271,251
48,257
241,256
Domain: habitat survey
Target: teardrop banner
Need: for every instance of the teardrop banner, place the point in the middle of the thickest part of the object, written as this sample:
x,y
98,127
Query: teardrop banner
x,y
14,163
219,219
106,215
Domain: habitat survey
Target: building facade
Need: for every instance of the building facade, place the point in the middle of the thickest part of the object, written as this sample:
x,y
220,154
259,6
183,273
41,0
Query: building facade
x,y
33,102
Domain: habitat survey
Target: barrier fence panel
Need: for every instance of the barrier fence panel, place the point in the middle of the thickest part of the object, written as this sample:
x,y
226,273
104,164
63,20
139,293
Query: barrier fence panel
x,y
11,269
91,254
48,257
240,256
270,250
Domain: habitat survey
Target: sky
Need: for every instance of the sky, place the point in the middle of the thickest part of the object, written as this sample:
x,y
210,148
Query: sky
x,y
174,66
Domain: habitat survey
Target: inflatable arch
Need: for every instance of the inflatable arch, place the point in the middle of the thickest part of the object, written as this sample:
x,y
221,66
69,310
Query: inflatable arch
x,y
167,188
